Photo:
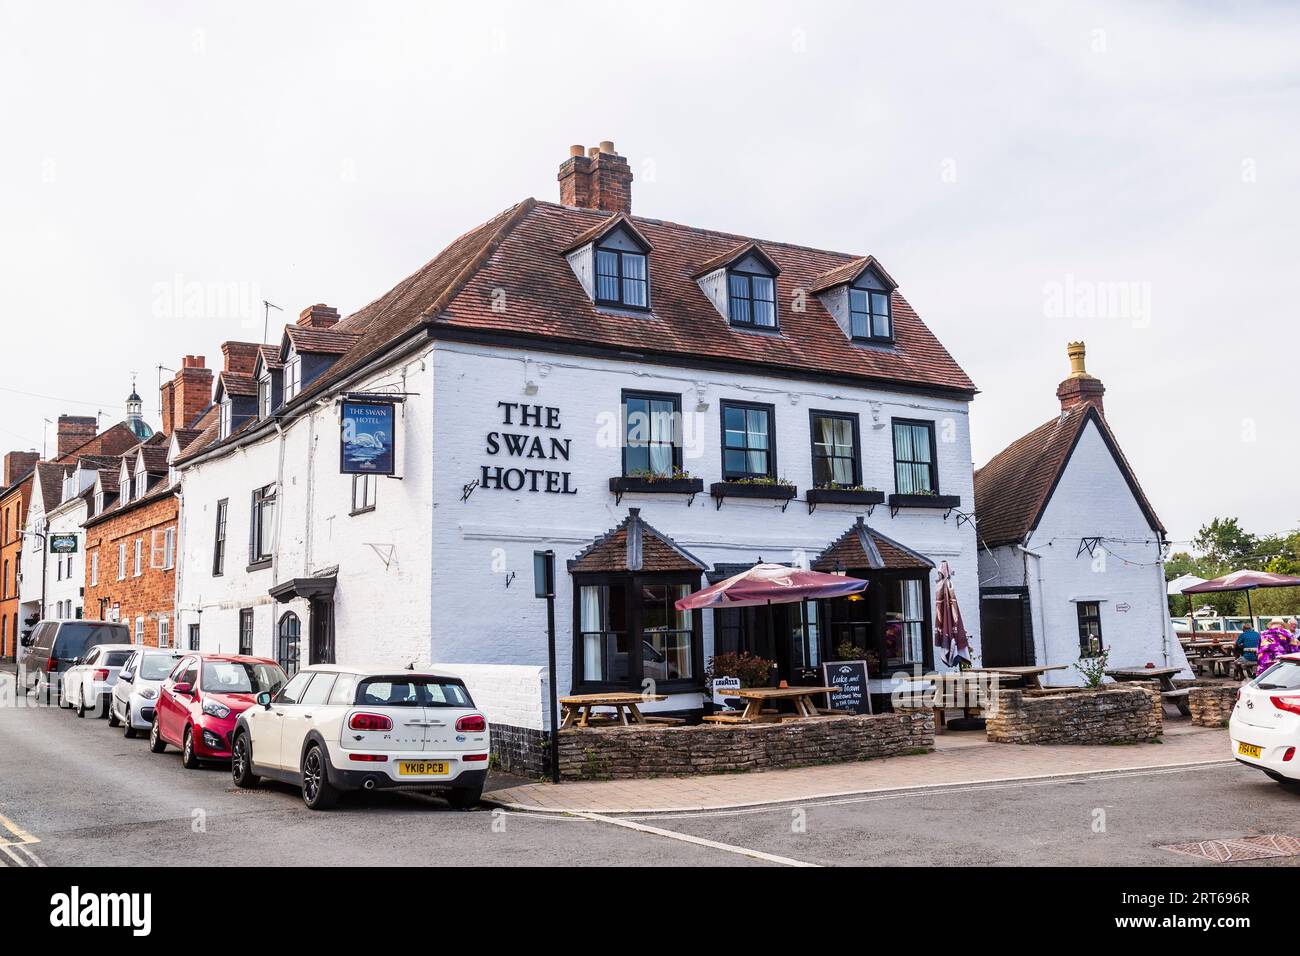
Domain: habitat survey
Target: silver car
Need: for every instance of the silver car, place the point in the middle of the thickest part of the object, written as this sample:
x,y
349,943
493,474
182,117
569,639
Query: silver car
x,y
88,683
136,692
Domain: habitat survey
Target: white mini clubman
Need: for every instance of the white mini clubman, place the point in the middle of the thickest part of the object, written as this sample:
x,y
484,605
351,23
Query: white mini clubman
x,y
332,729
1265,723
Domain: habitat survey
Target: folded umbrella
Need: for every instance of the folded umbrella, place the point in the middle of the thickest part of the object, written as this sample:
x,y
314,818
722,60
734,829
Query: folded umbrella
x,y
949,631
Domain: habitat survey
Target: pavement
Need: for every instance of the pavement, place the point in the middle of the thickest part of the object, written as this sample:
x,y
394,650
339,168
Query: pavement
x,y
958,759
75,792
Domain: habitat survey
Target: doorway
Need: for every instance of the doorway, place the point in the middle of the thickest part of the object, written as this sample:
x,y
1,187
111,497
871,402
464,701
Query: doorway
x,y
1006,631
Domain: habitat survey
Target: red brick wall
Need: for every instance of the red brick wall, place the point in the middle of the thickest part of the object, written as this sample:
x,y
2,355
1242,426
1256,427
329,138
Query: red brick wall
x,y
14,507
152,594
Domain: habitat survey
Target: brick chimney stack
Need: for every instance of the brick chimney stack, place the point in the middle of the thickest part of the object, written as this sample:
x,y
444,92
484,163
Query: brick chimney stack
x,y
239,357
1080,388
17,464
318,316
187,395
74,431
601,179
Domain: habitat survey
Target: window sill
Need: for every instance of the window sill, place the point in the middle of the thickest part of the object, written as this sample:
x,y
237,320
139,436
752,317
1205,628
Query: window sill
x,y
936,502
361,511
879,343
759,329
259,565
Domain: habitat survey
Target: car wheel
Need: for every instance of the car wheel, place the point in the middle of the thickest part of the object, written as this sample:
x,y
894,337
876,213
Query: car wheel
x,y
317,791
128,726
241,763
112,715
464,798
81,703
188,758
156,743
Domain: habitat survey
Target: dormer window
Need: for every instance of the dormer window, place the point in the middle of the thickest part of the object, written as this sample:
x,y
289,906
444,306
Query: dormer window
x,y
223,427
752,299
622,278
141,482
292,378
869,315
99,503
264,396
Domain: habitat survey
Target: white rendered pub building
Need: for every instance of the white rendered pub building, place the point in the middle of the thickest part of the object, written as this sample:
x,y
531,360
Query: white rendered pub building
x,y
660,405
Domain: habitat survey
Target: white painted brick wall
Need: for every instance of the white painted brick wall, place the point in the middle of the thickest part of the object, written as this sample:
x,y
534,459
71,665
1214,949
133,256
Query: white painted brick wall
x,y
506,693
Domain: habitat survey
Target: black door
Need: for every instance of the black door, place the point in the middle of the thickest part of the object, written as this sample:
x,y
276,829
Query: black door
x,y
321,649
1003,632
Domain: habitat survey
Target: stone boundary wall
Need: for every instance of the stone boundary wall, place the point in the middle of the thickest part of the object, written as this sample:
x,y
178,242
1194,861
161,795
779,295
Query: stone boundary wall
x,y
1126,714
1212,706
622,753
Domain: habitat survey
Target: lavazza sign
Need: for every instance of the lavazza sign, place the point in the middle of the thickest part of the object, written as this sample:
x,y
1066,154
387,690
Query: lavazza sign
x,y
530,444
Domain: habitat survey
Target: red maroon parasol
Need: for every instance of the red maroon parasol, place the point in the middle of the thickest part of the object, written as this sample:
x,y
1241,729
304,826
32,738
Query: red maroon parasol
x,y
772,584
1244,581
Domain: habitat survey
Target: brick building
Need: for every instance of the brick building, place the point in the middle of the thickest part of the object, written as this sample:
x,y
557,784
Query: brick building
x,y
19,467
131,529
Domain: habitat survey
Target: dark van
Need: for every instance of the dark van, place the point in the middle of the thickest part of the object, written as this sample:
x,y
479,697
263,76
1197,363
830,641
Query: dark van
x,y
54,646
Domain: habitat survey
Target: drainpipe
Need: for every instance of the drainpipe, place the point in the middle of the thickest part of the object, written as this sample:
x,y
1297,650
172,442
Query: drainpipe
x,y
1041,627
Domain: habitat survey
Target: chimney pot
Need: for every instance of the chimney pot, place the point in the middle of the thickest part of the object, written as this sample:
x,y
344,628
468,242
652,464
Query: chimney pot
x,y
318,316
593,152
600,180
606,146
577,150
1080,388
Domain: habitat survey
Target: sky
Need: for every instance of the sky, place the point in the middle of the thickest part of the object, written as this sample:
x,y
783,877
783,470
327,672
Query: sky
x,y
1029,173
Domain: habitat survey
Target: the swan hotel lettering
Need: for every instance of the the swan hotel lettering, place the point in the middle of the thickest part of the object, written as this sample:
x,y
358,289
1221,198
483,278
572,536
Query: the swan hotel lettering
x,y
524,435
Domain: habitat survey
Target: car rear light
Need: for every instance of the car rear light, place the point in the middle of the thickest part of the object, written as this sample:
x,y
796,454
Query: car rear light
x,y
468,758
370,722
101,674
1290,752
52,665
474,723
1291,704
368,758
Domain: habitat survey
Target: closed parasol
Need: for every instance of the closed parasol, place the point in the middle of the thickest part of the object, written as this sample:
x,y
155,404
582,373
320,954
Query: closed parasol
x,y
949,631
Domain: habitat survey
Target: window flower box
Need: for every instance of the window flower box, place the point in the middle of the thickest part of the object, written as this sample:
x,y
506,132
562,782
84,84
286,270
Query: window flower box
x,y
643,485
844,496
772,491
941,502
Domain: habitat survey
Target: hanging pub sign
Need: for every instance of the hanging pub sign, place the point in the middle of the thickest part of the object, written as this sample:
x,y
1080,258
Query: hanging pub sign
x,y
367,441
63,544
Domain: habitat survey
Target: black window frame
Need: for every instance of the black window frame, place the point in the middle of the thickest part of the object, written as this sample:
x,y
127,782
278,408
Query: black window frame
x,y
871,315
934,454
281,658
1083,618
219,538
749,275
246,622
363,479
676,400
618,254
852,418
259,552
632,583
726,404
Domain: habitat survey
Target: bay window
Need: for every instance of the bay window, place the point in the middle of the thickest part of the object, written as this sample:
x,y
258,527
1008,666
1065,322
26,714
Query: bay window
x,y
627,631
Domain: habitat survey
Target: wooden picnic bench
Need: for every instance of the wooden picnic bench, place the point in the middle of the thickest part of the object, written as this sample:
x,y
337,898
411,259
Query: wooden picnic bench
x,y
757,700
1031,675
578,710
1169,691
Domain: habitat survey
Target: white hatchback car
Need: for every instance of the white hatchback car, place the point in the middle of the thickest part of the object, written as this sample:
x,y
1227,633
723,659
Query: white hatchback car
x,y
136,692
1265,722
88,684
332,728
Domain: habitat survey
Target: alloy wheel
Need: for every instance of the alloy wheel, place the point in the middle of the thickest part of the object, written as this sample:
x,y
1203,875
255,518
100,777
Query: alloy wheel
x,y
311,775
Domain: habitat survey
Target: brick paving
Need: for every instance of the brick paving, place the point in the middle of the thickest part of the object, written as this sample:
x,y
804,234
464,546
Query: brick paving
x,y
958,758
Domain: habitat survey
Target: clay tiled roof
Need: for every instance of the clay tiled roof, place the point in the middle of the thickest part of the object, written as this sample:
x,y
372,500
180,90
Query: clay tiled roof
x,y
270,357
50,477
862,548
231,383
1012,490
320,341
847,273
155,458
634,546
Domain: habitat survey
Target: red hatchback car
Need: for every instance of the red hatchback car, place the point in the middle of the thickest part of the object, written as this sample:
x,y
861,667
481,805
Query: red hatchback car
x,y
202,698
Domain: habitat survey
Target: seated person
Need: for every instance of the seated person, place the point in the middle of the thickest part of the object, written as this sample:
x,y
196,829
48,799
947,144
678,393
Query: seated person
x,y
1247,647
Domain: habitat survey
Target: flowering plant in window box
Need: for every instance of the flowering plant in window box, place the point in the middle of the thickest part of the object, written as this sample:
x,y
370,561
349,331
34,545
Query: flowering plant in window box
x,y
781,489
830,493
676,482
924,499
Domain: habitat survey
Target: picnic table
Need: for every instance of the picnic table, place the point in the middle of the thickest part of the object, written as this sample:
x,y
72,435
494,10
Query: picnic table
x,y
578,709
1031,675
966,689
1164,675
756,698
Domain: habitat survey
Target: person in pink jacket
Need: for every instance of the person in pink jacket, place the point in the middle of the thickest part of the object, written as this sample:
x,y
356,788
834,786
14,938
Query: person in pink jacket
x,y
1275,642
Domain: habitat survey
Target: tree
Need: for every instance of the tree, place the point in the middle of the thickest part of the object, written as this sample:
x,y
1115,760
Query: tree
x,y
1226,544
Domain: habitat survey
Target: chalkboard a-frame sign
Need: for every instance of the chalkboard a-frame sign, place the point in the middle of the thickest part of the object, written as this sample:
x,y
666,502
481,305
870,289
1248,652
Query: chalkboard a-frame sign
x,y
852,692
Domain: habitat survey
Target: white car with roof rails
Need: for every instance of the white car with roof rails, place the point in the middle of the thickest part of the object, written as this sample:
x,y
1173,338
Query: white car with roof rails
x,y
88,683
135,695
1265,723
334,728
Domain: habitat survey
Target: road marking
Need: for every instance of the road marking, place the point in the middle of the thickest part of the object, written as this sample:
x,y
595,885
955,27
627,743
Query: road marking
x,y
899,794
22,835
687,838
